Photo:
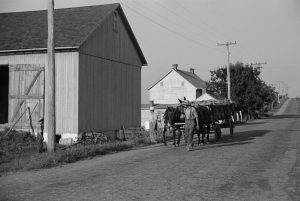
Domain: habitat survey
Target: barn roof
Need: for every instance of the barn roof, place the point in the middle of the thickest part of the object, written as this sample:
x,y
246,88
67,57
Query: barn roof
x,y
28,30
192,78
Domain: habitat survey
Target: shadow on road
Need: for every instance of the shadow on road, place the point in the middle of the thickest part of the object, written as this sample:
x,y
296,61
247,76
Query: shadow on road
x,y
254,123
285,116
239,138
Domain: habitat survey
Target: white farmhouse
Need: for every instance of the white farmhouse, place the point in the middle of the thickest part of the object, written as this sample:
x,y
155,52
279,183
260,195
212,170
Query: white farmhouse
x,y
175,85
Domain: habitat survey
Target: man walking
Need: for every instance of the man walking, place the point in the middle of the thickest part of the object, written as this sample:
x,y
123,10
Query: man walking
x,y
191,122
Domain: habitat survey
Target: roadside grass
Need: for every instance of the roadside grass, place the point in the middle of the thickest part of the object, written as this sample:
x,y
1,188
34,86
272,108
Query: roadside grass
x,y
18,151
274,111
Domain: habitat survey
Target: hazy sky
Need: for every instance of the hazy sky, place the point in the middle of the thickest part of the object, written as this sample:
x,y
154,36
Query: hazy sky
x,y
186,32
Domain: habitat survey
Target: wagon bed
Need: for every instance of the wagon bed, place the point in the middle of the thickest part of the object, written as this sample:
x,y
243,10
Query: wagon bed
x,y
221,114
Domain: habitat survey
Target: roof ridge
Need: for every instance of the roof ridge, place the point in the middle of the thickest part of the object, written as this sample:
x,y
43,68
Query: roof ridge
x,y
193,78
90,6
152,85
27,30
99,22
61,8
194,75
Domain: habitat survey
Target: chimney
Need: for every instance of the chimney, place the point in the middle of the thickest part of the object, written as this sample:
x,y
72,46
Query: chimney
x,y
192,70
175,66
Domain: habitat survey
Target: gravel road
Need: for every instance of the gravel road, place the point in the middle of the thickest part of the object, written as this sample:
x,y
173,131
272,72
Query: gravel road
x,y
260,162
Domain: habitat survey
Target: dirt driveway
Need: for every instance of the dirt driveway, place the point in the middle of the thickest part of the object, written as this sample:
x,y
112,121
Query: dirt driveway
x,y
261,162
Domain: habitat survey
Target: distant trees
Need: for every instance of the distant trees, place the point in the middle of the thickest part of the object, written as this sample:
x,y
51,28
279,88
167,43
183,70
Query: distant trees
x,y
251,94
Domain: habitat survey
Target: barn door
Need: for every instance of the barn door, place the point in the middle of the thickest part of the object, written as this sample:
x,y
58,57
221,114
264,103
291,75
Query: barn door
x,y
26,95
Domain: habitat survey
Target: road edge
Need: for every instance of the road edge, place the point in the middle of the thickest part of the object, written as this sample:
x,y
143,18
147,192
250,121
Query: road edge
x,y
282,108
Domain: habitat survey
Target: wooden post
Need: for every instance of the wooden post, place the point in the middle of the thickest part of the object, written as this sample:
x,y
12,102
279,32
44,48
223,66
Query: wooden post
x,y
30,120
50,81
152,133
122,133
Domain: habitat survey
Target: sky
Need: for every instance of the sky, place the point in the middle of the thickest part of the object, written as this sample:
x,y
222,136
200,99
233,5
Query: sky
x,y
186,32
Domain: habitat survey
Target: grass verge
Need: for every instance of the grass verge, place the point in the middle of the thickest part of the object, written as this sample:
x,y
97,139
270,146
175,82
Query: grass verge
x,y
18,151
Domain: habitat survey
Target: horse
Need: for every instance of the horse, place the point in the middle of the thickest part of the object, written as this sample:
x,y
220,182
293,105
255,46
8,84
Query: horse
x,y
205,119
176,115
171,116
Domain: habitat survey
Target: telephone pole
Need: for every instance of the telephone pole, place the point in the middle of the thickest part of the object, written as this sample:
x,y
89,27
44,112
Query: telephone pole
x,y
50,82
227,44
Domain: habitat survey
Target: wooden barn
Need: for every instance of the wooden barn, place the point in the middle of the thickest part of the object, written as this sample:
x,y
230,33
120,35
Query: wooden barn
x,y
98,69
177,84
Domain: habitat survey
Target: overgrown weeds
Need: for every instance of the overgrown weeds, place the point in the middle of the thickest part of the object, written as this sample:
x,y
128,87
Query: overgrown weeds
x,y
18,151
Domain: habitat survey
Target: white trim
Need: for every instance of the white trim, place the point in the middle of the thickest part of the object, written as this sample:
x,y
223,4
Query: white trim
x,y
36,49
160,79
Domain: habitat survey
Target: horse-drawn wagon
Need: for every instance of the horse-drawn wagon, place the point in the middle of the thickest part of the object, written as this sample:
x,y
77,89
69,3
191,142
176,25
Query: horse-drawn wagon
x,y
212,115
221,115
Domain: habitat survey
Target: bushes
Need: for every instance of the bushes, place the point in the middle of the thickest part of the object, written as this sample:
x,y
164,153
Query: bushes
x,y
19,151
15,144
76,153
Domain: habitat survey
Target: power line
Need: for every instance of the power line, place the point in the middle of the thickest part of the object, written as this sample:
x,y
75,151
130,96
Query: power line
x,y
167,28
174,22
186,19
213,29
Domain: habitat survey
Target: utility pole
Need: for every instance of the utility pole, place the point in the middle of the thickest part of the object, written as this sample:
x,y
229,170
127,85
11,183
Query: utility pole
x,y
227,44
258,64
50,82
283,88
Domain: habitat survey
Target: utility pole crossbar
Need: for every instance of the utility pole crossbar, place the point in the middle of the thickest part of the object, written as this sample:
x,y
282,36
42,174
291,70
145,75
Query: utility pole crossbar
x,y
258,64
227,44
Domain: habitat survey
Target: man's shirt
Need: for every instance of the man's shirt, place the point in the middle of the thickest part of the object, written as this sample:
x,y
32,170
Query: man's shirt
x,y
190,113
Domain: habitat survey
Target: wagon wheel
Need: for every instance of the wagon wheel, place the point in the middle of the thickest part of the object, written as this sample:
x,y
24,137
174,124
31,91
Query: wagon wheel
x,y
231,126
218,132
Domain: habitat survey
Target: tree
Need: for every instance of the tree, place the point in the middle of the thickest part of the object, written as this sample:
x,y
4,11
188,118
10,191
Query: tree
x,y
250,93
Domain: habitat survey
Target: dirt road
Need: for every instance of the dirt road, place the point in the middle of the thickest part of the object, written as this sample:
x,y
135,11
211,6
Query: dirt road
x,y
261,162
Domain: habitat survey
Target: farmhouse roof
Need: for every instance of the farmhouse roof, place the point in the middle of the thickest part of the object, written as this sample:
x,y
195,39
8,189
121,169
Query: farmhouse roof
x,y
28,30
192,78
211,96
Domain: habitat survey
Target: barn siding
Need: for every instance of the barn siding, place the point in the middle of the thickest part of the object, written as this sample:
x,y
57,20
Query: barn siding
x,y
109,80
107,43
172,89
66,85
109,95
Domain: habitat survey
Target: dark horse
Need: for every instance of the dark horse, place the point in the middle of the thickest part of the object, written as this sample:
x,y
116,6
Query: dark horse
x,y
176,115
205,120
172,115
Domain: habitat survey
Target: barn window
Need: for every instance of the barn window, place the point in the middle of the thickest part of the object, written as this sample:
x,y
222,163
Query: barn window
x,y
115,23
161,84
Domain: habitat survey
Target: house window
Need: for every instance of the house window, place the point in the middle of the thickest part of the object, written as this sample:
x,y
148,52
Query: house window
x,y
182,84
161,84
115,23
198,93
